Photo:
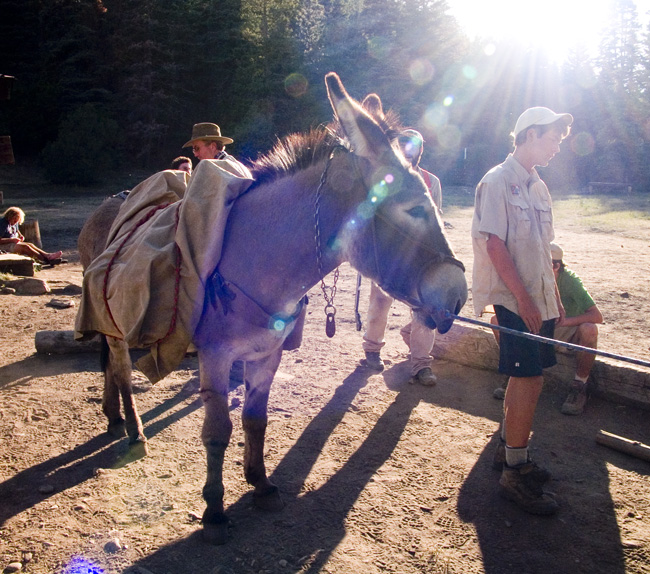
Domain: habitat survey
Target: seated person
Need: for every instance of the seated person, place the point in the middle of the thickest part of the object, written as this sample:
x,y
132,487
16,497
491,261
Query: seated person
x,y
580,327
12,241
182,163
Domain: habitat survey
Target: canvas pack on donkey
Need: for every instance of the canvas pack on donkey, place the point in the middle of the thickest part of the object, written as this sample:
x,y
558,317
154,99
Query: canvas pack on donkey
x,y
161,249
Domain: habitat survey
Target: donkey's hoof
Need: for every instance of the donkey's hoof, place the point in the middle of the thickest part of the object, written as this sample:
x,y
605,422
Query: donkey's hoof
x,y
117,428
215,534
270,499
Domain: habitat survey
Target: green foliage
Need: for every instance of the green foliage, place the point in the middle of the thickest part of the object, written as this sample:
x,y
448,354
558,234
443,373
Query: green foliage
x,y
85,149
256,67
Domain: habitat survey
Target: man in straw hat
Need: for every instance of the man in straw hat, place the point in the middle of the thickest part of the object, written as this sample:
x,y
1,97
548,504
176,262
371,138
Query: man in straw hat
x,y
208,143
512,230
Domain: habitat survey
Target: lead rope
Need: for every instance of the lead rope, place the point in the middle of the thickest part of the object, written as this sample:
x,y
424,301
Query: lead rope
x,y
329,292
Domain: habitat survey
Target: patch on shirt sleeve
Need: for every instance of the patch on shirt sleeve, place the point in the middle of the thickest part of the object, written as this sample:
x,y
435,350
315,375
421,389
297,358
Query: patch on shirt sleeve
x,y
515,189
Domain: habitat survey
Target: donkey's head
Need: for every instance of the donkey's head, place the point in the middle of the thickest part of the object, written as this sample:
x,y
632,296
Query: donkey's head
x,y
394,235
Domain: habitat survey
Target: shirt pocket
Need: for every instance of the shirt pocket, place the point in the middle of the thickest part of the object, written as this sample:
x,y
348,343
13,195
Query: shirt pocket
x,y
520,215
545,218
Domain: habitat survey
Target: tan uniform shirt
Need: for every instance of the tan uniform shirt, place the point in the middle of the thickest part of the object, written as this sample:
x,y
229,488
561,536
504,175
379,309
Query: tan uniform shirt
x,y
515,206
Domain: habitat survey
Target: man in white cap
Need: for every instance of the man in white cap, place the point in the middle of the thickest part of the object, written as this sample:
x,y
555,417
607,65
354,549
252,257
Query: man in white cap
x,y
579,326
512,230
417,336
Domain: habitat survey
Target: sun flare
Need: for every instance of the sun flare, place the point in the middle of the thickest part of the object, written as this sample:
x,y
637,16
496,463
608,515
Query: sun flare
x,y
556,25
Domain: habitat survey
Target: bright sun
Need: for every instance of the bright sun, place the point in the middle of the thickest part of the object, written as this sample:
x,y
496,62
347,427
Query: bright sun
x,y
555,25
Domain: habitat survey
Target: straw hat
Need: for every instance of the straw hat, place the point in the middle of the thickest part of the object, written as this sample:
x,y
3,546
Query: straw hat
x,y
207,132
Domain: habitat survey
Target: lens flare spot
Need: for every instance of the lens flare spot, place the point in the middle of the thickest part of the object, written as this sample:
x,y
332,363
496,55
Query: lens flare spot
x,y
279,325
80,565
296,85
366,210
469,72
448,101
436,116
389,178
489,49
583,144
421,71
379,48
449,137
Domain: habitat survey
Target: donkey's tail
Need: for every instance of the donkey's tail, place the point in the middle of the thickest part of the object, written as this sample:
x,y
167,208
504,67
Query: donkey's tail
x,y
103,352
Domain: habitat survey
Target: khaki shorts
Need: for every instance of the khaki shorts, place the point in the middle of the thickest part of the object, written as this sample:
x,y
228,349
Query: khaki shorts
x,y
568,335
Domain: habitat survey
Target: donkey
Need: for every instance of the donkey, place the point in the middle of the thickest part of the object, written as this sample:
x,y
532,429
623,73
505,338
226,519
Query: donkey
x,y
318,199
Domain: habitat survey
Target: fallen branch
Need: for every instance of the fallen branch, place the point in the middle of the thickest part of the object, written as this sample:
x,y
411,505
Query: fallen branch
x,y
631,447
63,343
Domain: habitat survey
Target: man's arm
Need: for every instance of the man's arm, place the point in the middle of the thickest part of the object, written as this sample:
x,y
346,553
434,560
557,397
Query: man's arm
x,y
591,315
505,267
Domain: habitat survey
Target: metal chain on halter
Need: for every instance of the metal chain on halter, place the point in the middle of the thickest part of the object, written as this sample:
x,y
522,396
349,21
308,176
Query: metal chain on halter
x,y
328,292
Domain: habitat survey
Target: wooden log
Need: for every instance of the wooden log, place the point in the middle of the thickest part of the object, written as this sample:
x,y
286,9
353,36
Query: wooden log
x,y
631,447
32,233
16,265
63,343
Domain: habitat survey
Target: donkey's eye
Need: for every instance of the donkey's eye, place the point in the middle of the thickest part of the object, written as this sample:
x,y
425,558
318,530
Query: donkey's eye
x,y
418,211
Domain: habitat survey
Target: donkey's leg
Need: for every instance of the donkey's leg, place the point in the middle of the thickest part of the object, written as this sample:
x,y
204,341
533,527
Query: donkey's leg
x,y
259,376
111,398
217,429
118,371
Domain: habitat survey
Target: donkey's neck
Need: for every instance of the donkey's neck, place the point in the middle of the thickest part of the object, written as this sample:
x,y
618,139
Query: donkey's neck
x,y
270,247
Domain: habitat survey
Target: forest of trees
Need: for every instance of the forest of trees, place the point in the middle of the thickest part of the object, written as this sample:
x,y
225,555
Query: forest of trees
x,y
107,84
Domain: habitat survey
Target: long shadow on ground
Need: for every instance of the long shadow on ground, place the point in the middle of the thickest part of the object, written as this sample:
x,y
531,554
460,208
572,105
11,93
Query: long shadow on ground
x,y
510,540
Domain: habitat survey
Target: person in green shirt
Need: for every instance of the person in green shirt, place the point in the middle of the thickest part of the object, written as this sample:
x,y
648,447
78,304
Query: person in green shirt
x,y
579,326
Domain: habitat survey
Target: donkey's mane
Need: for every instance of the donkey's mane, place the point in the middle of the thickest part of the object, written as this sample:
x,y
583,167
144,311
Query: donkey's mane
x,y
298,151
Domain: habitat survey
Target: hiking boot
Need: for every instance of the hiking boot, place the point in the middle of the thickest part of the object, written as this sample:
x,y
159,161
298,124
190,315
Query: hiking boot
x,y
519,486
373,361
500,392
425,377
539,474
577,399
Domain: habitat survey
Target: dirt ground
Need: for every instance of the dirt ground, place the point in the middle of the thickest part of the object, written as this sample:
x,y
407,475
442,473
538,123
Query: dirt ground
x,y
378,475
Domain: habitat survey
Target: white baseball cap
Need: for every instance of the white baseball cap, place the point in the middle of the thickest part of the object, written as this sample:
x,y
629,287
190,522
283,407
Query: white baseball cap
x,y
539,116
557,254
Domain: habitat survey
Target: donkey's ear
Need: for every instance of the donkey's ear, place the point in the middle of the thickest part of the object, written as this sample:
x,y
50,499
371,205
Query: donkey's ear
x,y
372,104
367,138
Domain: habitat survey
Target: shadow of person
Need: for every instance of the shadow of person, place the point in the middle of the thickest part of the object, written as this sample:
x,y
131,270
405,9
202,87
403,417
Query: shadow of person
x,y
318,514
584,536
323,501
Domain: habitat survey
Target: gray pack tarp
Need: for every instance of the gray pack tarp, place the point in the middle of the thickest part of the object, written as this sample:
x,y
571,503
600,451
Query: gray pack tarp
x,y
152,275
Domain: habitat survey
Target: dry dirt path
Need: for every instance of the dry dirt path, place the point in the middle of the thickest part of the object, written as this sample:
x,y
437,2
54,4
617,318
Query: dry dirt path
x,y
378,475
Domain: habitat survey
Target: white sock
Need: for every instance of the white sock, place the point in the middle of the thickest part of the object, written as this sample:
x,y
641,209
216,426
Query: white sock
x,y
581,379
516,456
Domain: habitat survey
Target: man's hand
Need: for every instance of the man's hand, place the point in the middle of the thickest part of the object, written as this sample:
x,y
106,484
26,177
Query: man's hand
x,y
505,266
530,314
